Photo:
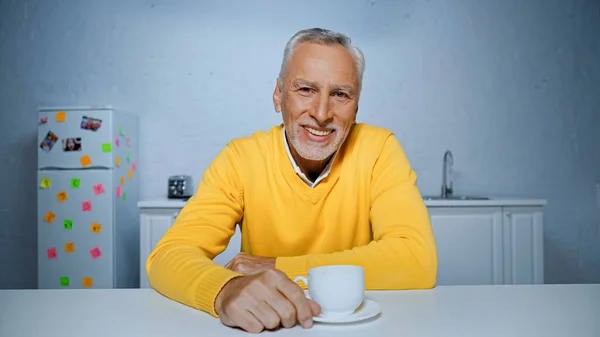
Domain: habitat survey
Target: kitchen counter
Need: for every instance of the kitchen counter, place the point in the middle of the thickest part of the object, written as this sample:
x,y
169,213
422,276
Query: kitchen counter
x,y
491,311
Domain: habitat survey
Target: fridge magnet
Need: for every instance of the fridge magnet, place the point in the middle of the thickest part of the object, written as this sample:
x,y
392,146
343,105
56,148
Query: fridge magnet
x,y
49,217
119,191
85,161
45,183
75,183
133,167
87,282
121,132
98,189
106,147
117,142
95,253
48,142
68,224
118,161
71,144
89,123
122,181
124,196
128,157
64,281
43,120
51,253
127,142
62,196
95,228
86,206
61,117
69,247
129,174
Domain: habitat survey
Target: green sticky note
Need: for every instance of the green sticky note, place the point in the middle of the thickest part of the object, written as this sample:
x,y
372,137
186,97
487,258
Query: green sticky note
x,y
64,281
124,196
106,147
75,183
121,131
128,157
68,224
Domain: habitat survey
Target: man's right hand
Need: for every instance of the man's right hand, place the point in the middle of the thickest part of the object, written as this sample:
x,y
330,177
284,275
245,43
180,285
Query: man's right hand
x,y
265,300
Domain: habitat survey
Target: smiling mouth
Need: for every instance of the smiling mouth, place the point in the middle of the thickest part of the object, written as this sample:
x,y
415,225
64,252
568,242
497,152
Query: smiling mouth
x,y
318,132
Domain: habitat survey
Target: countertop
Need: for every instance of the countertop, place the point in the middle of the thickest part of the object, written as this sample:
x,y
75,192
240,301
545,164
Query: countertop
x,y
490,311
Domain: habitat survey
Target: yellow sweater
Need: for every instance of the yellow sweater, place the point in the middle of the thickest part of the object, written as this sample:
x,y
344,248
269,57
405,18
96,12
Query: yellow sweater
x,y
367,211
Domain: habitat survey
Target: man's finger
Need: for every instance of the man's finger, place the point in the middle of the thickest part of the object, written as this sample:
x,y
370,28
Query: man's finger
x,y
283,307
295,294
314,307
251,323
266,315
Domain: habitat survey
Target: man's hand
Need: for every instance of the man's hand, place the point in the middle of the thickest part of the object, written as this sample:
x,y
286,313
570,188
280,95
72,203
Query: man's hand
x,y
265,300
249,265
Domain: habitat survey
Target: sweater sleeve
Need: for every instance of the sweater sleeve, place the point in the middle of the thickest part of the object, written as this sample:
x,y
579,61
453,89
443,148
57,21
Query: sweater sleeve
x,y
402,254
180,267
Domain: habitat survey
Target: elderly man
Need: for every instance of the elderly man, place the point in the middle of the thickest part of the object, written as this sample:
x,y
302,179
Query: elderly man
x,y
317,190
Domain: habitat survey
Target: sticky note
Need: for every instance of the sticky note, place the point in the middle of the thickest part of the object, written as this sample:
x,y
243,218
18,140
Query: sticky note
x,y
106,147
69,247
86,206
51,253
64,281
124,196
119,191
129,174
133,167
117,142
61,116
127,141
68,224
62,196
128,157
75,183
85,161
95,228
45,183
121,131
87,282
98,189
117,161
49,217
95,253
122,181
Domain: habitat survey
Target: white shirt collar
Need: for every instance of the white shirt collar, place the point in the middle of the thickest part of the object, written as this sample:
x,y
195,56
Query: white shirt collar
x,y
299,172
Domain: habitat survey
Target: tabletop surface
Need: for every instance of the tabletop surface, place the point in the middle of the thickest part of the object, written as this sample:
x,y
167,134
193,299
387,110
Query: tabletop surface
x,y
490,311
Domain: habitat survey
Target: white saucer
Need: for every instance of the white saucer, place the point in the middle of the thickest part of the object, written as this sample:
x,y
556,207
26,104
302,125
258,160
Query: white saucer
x,y
368,309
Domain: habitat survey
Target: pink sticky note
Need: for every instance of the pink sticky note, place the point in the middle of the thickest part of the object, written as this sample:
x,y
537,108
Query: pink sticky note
x,y
117,141
51,253
86,206
119,191
98,189
95,253
133,166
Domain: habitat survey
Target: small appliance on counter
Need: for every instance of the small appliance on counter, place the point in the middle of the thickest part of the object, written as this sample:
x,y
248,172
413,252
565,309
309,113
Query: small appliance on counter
x,y
180,187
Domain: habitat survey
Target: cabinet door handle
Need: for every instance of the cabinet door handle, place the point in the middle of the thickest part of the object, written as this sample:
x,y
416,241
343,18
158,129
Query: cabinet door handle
x,y
175,215
508,214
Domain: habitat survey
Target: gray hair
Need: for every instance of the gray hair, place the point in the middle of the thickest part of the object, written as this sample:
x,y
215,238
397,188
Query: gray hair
x,y
323,36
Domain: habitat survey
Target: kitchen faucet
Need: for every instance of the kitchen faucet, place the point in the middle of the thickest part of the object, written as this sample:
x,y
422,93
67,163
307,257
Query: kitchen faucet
x,y
448,162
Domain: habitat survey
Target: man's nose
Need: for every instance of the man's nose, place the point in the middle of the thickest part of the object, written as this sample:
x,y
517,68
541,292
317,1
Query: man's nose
x,y
321,110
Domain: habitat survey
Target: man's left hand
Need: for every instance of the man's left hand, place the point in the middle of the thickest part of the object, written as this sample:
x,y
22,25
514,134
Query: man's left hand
x,y
249,265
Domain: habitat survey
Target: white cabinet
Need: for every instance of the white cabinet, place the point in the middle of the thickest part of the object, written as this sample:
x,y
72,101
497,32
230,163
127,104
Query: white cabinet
x,y
488,245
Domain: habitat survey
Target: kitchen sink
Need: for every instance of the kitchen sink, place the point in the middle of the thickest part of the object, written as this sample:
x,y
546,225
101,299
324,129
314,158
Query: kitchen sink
x,y
454,197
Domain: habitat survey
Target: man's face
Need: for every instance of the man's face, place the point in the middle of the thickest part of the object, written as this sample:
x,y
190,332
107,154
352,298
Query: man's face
x,y
319,100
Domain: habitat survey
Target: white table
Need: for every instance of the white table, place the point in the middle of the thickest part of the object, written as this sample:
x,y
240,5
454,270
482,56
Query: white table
x,y
481,311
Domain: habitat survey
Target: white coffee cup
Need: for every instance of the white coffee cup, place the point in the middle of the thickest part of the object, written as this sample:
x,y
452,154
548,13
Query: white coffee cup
x,y
338,289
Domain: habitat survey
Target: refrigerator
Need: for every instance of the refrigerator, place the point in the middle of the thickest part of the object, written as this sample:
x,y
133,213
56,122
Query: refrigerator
x,y
88,188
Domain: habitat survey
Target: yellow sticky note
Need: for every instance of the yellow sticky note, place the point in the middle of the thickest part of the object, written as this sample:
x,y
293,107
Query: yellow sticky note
x,y
49,217
69,247
85,161
61,116
95,228
117,161
45,183
129,174
87,282
122,180
62,196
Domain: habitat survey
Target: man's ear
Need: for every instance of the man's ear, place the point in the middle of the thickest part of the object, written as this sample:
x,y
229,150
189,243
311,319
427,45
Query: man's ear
x,y
277,97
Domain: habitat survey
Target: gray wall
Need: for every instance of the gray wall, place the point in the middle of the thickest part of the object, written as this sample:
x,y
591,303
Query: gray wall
x,y
511,87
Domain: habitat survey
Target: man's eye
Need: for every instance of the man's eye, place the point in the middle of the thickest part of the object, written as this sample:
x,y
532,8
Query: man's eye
x,y
305,89
340,94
